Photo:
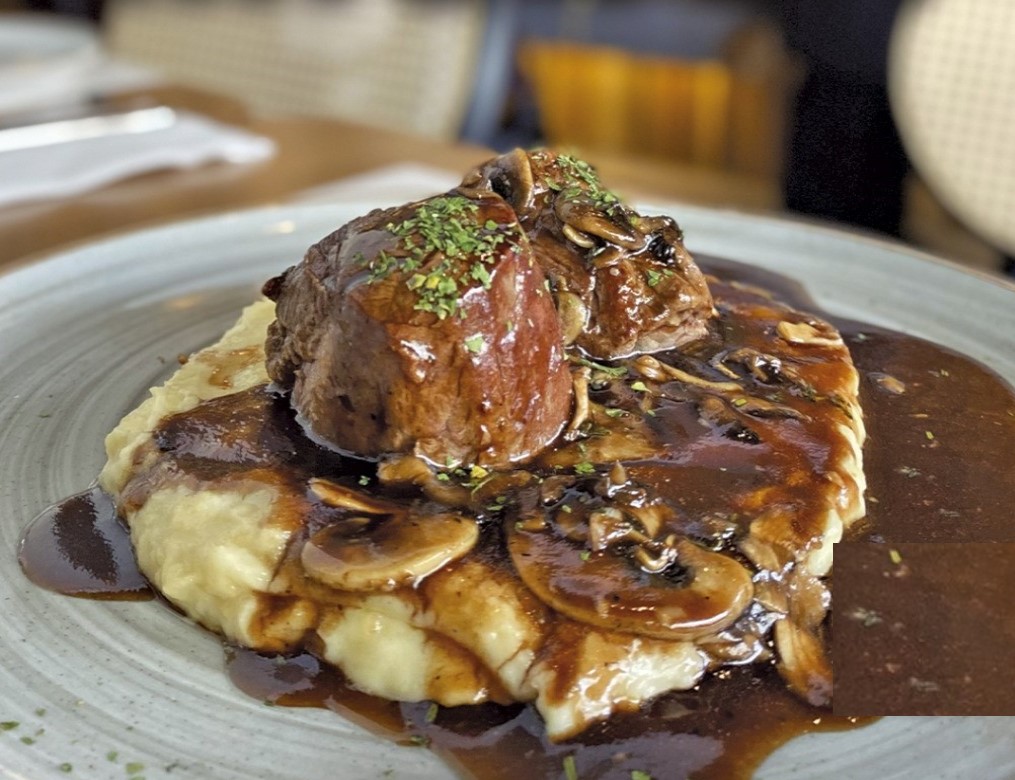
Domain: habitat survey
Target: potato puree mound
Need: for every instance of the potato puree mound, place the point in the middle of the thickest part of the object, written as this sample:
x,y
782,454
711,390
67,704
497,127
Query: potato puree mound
x,y
226,549
210,552
214,552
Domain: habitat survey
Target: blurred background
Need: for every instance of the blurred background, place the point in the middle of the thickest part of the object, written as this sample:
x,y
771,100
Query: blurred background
x,y
790,96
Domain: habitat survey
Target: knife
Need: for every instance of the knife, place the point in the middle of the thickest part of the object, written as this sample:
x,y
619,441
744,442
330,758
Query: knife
x,y
141,120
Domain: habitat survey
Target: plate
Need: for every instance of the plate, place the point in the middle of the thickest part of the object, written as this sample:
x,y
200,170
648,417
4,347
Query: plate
x,y
97,686
44,60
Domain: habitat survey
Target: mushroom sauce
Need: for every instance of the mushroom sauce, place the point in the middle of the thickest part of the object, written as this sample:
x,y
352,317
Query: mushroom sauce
x,y
918,490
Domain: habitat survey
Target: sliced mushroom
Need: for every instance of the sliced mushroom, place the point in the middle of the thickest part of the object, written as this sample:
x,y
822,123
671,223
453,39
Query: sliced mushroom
x,y
608,526
651,368
574,315
803,663
809,334
509,175
762,366
580,379
611,591
577,237
408,470
581,215
766,368
759,407
342,497
382,544
384,553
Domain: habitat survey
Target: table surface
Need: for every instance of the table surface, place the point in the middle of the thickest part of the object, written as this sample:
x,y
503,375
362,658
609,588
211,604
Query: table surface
x,y
311,152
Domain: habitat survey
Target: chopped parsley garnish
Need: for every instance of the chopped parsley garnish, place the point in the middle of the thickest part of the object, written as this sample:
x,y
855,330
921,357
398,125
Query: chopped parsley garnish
x,y
612,371
499,502
639,387
436,245
584,468
475,344
570,769
581,179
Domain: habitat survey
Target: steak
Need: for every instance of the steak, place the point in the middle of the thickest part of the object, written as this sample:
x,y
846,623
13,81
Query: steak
x,y
424,329
624,283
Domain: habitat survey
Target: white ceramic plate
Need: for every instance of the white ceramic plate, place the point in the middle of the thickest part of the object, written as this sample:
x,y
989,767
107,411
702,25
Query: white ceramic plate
x,y
84,334
43,59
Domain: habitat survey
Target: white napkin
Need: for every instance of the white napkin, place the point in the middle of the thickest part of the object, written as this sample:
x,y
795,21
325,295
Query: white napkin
x,y
72,167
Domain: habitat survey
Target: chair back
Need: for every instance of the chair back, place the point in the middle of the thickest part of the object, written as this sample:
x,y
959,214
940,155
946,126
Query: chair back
x,y
728,113
400,64
952,91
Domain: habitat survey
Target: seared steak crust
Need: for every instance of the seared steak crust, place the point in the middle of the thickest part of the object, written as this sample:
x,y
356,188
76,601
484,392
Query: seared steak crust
x,y
402,333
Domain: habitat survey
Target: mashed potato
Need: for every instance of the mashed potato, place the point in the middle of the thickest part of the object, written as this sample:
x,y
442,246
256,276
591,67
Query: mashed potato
x,y
225,549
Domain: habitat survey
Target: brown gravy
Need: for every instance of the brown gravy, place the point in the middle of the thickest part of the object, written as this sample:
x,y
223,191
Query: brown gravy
x,y
921,628
735,718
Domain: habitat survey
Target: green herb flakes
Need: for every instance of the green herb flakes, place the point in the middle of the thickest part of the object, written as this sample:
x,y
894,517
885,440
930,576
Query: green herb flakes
x,y
638,774
475,344
570,769
66,767
895,556
9,725
615,372
431,712
582,180
433,242
639,387
584,468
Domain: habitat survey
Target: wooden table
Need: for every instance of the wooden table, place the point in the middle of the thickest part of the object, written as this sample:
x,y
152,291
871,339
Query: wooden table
x,y
310,152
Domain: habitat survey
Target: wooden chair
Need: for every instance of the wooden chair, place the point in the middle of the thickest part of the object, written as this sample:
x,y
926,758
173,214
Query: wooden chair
x,y
398,64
